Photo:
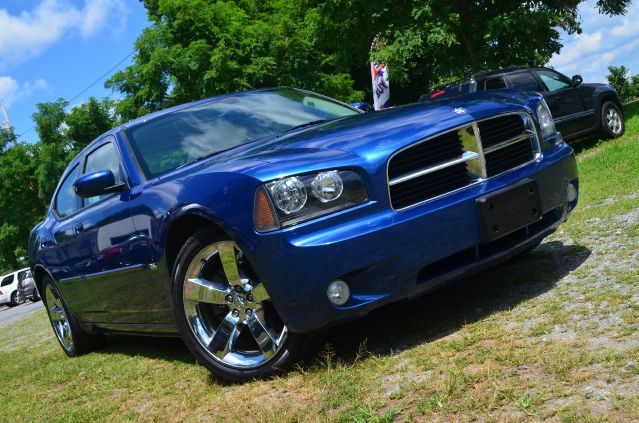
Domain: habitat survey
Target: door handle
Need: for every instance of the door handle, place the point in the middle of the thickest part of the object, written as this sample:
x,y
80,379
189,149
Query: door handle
x,y
46,243
79,228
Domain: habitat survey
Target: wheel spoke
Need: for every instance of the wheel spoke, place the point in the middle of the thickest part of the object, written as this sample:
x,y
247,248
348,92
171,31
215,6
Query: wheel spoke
x,y
226,251
263,337
197,289
55,314
259,293
225,337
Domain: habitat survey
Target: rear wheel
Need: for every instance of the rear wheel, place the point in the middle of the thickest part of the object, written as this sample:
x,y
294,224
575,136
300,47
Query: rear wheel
x,y
612,124
224,313
35,296
73,340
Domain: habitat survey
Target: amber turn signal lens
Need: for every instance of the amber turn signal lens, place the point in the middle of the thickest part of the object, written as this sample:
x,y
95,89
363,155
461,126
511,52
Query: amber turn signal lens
x,y
265,220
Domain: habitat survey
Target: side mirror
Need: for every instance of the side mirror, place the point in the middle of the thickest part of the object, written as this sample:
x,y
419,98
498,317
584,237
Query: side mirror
x,y
577,80
97,183
363,106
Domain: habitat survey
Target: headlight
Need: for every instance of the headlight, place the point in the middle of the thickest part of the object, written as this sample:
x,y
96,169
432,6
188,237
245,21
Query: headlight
x,y
295,199
546,122
289,194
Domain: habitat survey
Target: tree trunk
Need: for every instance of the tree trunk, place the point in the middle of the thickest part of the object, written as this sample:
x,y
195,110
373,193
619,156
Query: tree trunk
x,y
471,45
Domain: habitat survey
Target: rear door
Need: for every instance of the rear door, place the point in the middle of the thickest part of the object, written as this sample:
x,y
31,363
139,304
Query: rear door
x,y
565,103
65,255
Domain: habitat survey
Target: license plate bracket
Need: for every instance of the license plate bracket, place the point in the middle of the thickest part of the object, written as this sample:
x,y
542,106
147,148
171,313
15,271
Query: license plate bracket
x,y
506,210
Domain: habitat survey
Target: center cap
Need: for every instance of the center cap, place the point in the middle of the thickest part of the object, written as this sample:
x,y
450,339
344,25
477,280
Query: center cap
x,y
239,302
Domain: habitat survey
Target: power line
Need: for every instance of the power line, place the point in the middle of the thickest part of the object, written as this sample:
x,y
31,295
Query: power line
x,y
104,75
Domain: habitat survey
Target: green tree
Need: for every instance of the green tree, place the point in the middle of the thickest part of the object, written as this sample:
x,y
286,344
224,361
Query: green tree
x,y
618,78
197,48
19,202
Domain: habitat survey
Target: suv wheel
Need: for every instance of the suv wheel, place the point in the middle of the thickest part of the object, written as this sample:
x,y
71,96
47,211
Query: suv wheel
x,y
73,340
612,124
224,313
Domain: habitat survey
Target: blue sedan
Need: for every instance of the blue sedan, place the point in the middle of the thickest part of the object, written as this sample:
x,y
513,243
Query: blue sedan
x,y
243,222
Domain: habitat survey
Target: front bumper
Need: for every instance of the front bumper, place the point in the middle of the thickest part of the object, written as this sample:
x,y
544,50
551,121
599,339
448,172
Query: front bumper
x,y
386,256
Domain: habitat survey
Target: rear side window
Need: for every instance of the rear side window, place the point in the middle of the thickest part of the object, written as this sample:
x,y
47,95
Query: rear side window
x,y
495,83
66,202
103,158
7,281
553,80
524,81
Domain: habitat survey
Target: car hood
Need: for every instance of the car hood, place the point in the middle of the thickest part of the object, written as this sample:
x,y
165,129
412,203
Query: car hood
x,y
371,136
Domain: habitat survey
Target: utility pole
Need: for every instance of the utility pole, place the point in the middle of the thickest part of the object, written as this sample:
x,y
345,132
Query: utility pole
x,y
6,123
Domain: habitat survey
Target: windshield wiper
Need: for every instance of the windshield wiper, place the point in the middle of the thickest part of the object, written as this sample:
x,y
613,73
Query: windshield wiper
x,y
304,125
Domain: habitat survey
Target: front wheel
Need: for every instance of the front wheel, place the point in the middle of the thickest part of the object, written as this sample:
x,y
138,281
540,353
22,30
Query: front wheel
x,y
73,340
224,313
15,299
612,124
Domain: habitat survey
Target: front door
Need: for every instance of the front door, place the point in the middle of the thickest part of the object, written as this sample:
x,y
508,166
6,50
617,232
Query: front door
x,y
565,104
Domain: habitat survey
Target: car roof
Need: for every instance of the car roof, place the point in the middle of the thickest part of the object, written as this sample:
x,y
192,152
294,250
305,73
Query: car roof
x,y
504,71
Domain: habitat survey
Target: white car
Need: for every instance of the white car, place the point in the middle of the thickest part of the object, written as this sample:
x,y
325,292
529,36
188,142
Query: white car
x,y
9,290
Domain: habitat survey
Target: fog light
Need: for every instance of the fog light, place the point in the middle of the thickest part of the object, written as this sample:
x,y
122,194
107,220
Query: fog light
x,y
571,193
338,292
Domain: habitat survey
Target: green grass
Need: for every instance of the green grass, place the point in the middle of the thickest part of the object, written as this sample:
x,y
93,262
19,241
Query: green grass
x,y
550,336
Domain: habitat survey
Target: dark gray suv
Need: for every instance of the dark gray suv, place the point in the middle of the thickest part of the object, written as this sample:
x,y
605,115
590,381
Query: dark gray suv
x,y
577,108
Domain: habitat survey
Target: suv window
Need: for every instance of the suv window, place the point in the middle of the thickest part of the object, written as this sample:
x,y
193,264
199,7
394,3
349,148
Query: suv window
x,y
524,81
7,281
553,80
495,83
66,202
22,275
103,158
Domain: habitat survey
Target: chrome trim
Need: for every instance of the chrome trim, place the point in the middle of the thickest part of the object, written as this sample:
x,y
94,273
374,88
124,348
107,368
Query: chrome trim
x,y
466,156
523,137
531,129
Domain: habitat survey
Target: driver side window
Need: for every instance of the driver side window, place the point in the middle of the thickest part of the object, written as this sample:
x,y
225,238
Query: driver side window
x,y
103,158
553,80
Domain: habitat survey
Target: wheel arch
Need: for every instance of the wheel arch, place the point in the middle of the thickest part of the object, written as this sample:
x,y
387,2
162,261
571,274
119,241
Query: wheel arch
x,y
180,229
39,272
601,99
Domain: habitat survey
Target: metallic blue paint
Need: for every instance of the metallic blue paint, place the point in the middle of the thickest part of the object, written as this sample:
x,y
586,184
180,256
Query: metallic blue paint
x,y
109,260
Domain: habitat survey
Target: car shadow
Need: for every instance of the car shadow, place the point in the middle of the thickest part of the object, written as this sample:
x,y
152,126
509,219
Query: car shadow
x,y
394,328
400,326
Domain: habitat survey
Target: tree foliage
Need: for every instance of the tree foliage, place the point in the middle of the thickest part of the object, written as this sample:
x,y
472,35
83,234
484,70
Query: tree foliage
x,y
198,48
627,87
29,173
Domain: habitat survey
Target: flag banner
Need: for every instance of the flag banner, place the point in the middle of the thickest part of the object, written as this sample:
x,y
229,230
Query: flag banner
x,y
381,87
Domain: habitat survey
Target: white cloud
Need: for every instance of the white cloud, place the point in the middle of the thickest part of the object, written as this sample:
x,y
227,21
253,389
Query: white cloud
x,y
28,33
11,90
605,41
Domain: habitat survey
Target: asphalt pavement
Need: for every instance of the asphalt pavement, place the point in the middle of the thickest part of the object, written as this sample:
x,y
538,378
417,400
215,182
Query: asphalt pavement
x,y
13,314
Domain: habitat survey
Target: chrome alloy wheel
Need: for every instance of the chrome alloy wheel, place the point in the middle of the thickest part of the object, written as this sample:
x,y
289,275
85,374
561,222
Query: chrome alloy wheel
x,y
59,319
228,309
613,120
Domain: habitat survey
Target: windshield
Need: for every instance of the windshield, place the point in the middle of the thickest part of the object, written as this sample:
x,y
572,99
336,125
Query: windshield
x,y
182,137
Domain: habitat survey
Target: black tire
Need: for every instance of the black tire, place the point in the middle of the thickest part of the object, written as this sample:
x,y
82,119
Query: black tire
x,y
35,296
288,350
612,122
81,342
15,299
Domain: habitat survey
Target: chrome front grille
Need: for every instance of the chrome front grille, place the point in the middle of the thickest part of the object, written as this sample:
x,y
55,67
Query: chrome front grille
x,y
461,157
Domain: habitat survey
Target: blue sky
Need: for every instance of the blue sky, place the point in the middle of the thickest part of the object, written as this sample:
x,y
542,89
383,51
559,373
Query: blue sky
x,y
57,48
